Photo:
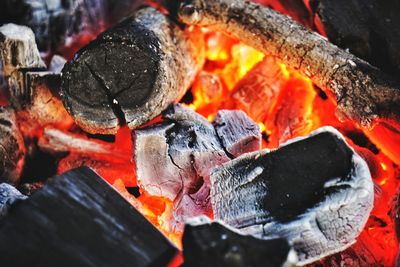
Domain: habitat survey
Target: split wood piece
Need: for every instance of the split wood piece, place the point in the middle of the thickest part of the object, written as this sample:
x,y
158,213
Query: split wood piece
x,y
18,49
257,92
78,219
56,23
36,97
296,192
8,196
57,64
176,156
131,72
238,133
363,92
12,148
207,243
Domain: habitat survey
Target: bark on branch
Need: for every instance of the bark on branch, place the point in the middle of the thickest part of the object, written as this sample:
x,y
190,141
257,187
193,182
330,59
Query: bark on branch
x,y
363,92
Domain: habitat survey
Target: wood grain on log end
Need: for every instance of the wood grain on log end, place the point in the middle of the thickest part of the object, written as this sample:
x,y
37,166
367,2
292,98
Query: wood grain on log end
x,y
12,148
131,72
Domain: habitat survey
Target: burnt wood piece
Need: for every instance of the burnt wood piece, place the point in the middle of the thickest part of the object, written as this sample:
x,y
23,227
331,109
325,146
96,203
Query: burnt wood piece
x,y
238,133
368,28
207,243
8,196
363,92
131,72
12,148
18,49
54,21
297,192
78,219
176,155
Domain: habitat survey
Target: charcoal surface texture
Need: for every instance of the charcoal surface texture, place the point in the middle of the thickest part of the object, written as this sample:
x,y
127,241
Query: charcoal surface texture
x,y
78,219
131,72
314,191
368,28
207,243
363,92
238,133
12,148
8,195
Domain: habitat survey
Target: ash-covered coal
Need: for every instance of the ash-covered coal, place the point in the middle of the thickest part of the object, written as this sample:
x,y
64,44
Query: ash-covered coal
x,y
315,191
8,195
207,243
174,158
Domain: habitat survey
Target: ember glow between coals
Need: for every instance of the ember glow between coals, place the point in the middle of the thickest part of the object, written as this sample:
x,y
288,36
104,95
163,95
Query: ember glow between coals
x,y
295,110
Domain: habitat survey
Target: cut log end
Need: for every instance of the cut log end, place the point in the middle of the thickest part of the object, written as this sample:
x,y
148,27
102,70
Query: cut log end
x,y
296,192
130,73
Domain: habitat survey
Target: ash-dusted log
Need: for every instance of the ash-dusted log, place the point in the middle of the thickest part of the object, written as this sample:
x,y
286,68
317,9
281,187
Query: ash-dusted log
x,y
207,243
314,191
18,49
363,92
12,148
8,195
238,133
131,72
78,219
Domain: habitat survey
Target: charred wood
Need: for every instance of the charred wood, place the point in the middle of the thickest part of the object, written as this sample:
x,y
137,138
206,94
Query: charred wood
x,y
8,196
363,92
131,72
18,49
207,243
238,133
12,148
297,192
78,219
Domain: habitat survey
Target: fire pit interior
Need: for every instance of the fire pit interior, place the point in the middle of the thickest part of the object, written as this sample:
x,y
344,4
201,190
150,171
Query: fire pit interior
x,y
199,133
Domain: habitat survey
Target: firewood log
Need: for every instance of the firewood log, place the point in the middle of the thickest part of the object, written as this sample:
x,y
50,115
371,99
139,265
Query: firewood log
x,y
362,91
131,72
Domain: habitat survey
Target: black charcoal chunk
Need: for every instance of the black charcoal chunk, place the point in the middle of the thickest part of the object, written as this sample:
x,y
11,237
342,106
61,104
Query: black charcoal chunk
x,y
78,219
296,192
207,243
8,195
238,133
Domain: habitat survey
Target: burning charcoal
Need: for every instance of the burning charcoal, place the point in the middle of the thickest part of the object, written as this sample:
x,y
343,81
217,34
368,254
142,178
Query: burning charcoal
x,y
131,72
8,195
207,243
78,219
237,132
12,148
315,191
55,22
29,189
257,92
18,49
38,103
178,154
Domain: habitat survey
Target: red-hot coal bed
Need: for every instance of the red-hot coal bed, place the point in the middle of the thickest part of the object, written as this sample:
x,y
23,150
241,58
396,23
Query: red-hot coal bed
x,y
199,133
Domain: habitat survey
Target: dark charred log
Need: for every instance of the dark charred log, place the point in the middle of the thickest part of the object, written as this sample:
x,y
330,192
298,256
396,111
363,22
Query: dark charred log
x,y
363,92
368,28
131,72
296,192
207,243
8,196
12,148
238,133
78,219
